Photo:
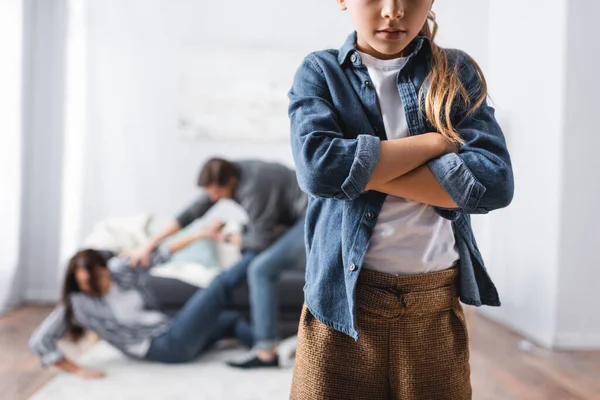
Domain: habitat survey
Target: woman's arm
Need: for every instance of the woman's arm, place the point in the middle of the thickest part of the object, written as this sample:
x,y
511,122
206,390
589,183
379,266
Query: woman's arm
x,y
43,343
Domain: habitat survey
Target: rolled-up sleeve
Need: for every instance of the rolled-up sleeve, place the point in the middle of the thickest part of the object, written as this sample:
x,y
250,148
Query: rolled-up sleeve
x,y
328,164
479,178
127,275
43,341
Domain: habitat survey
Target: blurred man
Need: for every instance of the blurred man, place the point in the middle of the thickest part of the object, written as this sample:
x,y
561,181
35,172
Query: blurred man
x,y
272,241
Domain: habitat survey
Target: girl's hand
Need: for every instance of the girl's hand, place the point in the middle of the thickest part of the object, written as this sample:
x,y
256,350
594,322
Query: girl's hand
x,y
88,373
452,147
448,146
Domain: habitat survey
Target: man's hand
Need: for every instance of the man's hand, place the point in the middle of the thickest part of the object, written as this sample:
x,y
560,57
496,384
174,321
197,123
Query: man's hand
x,y
140,256
214,229
230,238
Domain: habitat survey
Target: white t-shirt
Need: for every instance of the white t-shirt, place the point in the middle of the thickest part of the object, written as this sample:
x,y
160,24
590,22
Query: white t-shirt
x,y
410,238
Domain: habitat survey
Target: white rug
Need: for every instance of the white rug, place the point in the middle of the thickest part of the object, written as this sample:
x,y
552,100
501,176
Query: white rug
x,y
207,379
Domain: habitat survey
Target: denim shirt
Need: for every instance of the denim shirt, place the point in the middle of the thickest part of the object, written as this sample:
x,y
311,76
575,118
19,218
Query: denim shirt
x,y
336,130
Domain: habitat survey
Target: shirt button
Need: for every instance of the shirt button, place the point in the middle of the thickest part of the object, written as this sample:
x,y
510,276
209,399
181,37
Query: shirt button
x,y
368,83
352,267
370,215
353,58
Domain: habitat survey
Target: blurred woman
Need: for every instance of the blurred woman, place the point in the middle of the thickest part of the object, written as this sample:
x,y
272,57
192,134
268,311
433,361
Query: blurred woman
x,y
109,296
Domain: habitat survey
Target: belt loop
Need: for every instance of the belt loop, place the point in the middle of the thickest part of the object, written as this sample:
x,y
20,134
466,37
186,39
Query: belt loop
x,y
403,300
400,294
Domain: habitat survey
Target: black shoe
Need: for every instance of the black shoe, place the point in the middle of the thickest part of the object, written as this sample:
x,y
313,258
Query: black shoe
x,y
252,361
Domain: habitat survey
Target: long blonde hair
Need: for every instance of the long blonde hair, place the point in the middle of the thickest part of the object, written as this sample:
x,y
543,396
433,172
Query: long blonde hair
x,y
444,86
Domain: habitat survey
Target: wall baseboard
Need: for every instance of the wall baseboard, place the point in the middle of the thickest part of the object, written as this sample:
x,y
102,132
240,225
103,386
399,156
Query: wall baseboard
x,y
41,296
577,341
10,305
6,310
497,317
561,341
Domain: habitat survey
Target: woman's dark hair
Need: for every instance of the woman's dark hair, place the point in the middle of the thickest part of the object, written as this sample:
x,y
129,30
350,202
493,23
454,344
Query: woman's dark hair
x,y
217,171
92,261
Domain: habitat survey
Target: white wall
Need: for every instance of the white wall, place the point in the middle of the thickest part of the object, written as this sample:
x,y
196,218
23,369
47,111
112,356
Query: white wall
x,y
11,60
578,323
75,126
523,248
463,24
541,250
134,159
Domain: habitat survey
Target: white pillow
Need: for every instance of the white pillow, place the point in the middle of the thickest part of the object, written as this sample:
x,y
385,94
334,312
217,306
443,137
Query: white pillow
x,y
119,234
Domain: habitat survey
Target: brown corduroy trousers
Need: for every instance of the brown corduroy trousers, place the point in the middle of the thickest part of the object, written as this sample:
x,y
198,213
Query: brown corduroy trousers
x,y
413,344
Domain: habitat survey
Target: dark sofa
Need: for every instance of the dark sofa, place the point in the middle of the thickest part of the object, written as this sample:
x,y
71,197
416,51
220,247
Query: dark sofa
x,y
172,295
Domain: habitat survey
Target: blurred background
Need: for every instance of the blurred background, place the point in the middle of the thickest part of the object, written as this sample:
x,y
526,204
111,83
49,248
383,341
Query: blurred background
x,y
108,108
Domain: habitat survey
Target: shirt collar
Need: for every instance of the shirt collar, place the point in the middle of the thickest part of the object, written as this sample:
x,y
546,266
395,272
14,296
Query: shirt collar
x,y
348,50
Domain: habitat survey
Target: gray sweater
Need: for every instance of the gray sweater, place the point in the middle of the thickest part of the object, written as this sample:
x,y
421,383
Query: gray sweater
x,y
269,193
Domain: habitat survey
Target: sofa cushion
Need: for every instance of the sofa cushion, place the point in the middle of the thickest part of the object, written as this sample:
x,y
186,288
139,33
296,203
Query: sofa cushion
x,y
173,293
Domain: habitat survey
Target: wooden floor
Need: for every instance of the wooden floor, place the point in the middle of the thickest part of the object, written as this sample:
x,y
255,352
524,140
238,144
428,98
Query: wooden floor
x,y
500,371
21,374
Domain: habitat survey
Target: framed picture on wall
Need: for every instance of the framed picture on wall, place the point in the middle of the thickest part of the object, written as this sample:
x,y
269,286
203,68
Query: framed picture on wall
x,y
228,93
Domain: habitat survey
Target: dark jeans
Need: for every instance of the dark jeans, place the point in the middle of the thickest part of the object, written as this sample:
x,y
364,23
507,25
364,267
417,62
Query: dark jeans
x,y
204,320
263,275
